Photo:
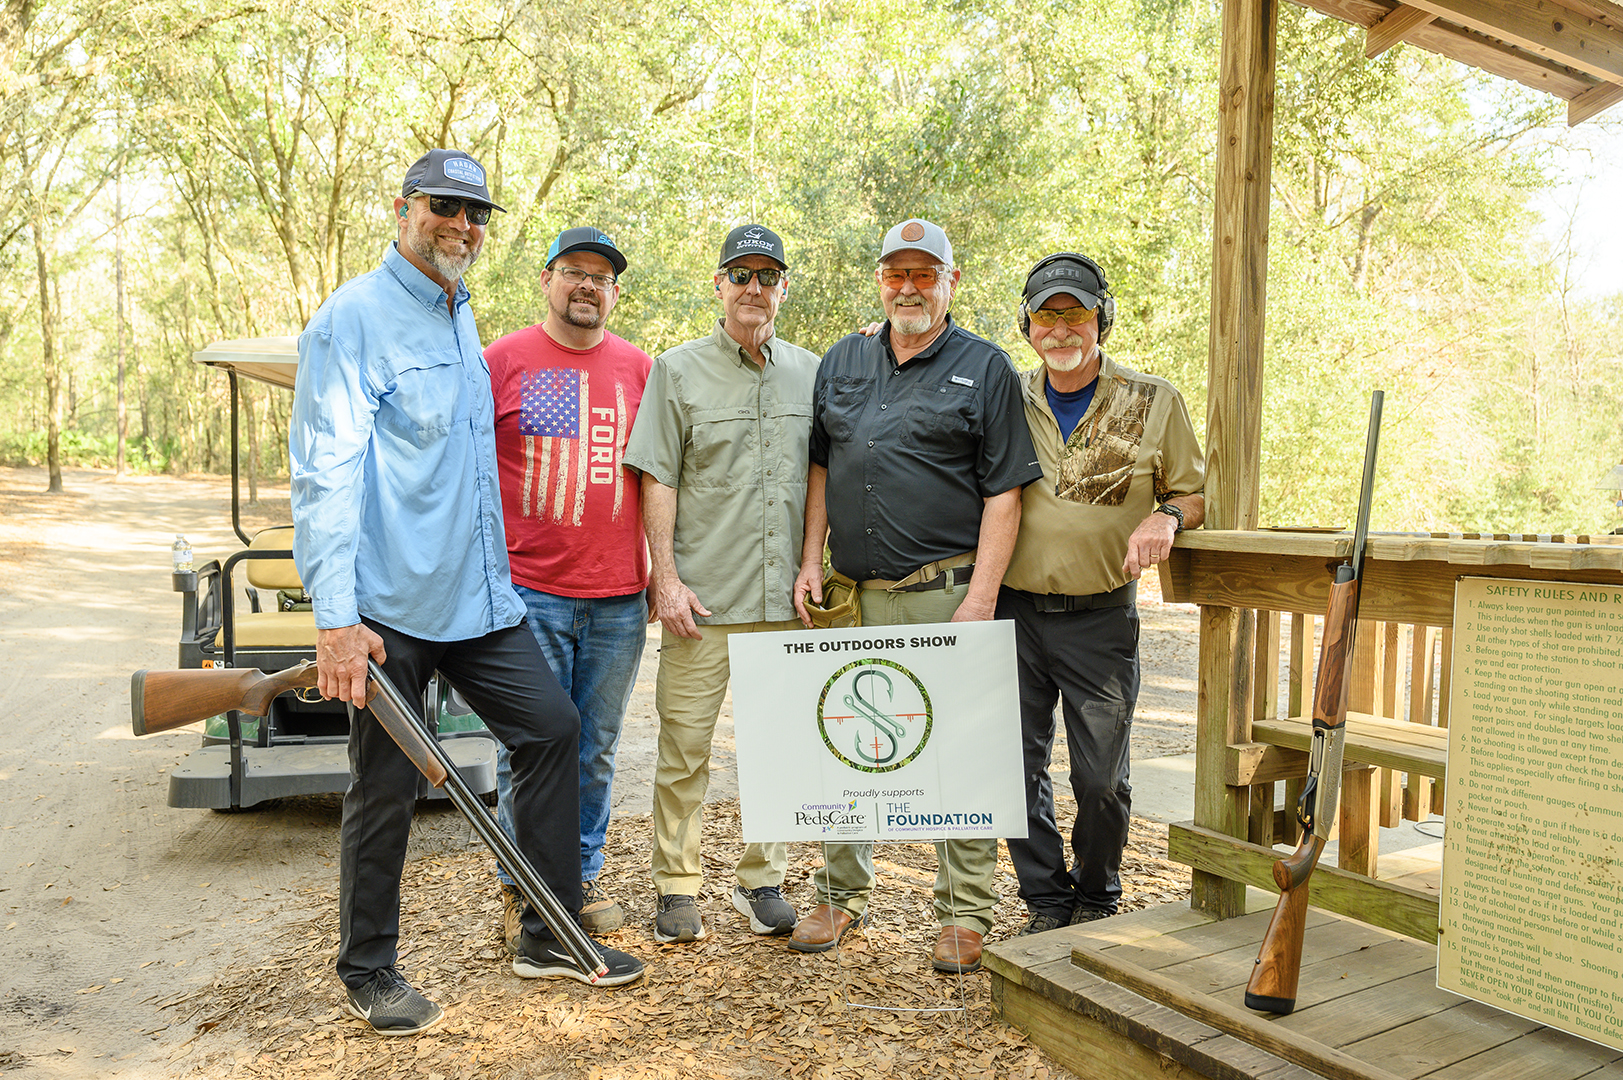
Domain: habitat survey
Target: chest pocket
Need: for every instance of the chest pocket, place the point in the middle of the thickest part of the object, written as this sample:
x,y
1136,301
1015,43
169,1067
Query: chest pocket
x,y
720,442
942,417
847,397
424,399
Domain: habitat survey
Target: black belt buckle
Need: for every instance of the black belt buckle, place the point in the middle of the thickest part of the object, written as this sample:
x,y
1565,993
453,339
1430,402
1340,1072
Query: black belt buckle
x,y
1049,603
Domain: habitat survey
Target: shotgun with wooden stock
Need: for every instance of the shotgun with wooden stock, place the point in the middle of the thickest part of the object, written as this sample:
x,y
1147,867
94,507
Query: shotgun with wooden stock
x,y
161,700
1272,987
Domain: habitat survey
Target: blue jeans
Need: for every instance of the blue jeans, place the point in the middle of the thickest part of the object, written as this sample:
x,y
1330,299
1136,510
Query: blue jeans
x,y
594,647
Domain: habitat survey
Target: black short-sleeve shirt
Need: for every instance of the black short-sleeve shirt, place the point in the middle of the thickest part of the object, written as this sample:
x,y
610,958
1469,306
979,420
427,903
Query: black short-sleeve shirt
x,y
912,450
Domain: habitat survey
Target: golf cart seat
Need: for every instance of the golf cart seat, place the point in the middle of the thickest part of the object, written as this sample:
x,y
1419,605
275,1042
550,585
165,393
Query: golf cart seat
x,y
273,628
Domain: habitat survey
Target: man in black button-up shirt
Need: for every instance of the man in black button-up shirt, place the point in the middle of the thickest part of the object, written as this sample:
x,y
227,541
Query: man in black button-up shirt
x,y
919,449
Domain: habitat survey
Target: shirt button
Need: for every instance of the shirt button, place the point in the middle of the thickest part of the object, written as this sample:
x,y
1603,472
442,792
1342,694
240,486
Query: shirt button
x,y
870,442
884,406
870,532
868,488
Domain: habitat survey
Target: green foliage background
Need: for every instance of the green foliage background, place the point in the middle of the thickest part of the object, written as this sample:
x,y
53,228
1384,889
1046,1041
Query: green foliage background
x,y
243,158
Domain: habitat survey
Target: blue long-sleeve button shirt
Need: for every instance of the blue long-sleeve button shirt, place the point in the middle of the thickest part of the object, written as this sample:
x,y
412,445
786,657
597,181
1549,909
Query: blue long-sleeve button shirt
x,y
396,505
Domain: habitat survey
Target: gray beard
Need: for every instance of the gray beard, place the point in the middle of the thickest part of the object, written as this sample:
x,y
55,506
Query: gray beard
x,y
451,269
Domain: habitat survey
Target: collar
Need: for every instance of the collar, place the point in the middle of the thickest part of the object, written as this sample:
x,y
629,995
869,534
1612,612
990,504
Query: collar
x,y
424,288
729,346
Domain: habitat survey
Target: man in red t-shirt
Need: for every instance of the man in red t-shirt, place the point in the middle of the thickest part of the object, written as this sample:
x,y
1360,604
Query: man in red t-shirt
x,y
566,393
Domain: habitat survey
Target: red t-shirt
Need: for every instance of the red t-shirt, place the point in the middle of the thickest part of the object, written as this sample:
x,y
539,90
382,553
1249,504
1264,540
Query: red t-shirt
x,y
573,510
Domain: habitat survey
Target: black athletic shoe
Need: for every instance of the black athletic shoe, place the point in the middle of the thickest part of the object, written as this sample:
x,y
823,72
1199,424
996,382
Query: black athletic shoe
x,y
388,1002
548,959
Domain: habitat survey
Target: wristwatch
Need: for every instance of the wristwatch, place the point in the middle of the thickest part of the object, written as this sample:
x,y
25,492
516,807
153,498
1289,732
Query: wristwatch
x,y
1172,512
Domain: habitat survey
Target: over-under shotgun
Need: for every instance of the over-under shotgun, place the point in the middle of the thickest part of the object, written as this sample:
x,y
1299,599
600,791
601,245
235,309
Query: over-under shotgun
x,y
1272,987
161,700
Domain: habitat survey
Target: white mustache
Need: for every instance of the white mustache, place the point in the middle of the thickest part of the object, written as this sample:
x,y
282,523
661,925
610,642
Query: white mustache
x,y
1069,341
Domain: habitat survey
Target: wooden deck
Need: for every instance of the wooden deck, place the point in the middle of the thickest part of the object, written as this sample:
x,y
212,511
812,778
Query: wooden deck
x,y
1159,993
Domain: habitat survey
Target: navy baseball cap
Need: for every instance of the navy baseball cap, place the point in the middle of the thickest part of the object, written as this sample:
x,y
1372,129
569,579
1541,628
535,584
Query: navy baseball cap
x,y
585,238
451,173
753,240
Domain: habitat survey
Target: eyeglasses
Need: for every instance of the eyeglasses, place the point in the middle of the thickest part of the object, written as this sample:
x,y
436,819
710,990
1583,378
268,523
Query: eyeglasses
x,y
442,206
924,277
1074,316
578,277
740,275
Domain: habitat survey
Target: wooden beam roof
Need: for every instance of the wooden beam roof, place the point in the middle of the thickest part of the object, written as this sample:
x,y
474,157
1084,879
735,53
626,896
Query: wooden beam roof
x,y
1572,49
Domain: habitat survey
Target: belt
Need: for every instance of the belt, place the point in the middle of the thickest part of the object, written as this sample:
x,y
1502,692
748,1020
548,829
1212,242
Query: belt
x,y
955,570
1052,602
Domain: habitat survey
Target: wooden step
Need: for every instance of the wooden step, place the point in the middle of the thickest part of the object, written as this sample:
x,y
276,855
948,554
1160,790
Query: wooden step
x,y
1371,740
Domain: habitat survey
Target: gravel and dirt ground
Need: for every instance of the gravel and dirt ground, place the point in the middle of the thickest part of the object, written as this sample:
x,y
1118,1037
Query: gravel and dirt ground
x,y
138,940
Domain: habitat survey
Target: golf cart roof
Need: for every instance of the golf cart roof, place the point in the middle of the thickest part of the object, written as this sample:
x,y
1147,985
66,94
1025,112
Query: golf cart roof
x,y
269,359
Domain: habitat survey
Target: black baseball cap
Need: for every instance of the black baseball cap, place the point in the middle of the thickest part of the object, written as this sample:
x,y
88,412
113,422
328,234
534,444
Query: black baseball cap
x,y
1064,273
448,172
586,238
752,240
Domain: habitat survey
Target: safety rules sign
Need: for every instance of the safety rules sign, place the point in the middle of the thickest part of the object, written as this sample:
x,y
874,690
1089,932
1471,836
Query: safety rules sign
x,y
878,733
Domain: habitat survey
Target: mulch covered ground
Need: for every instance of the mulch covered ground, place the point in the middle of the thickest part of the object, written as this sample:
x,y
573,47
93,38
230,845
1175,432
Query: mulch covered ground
x,y
731,1006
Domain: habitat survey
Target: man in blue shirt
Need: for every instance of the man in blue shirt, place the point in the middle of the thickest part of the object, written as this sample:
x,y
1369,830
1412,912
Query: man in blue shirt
x,y
399,541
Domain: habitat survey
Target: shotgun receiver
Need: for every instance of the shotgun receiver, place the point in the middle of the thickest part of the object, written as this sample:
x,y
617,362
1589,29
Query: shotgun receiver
x,y
161,700
1272,987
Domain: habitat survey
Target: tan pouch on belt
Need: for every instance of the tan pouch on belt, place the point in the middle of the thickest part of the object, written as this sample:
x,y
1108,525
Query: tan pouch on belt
x,y
840,606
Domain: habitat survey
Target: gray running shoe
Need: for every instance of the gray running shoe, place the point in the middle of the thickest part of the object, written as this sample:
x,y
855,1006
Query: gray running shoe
x,y
678,919
1086,915
388,1002
598,913
548,959
769,913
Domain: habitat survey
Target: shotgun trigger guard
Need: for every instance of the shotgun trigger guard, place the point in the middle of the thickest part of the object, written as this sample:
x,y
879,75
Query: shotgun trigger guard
x,y
308,694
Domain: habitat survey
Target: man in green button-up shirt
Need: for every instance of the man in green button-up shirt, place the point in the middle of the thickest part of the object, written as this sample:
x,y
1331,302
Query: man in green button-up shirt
x,y
721,442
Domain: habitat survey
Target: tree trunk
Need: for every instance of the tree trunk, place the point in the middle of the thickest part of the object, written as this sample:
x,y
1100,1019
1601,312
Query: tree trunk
x,y
48,360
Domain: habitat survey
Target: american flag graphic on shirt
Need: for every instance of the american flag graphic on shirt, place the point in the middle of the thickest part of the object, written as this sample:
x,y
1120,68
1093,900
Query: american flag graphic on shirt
x,y
568,445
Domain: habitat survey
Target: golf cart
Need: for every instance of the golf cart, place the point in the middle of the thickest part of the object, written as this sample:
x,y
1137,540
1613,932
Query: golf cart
x,y
251,611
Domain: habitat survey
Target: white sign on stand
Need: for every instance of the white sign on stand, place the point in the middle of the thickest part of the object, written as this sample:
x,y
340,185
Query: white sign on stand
x,y
878,733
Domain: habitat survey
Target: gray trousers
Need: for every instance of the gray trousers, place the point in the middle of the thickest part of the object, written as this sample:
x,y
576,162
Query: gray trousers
x,y
1086,661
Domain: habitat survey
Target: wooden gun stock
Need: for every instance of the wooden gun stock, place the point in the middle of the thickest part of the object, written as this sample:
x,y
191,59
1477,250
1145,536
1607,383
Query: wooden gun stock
x,y
161,700
1272,987
1335,652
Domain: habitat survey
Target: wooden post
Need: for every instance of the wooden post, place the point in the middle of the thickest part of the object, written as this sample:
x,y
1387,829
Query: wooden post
x,y
1234,408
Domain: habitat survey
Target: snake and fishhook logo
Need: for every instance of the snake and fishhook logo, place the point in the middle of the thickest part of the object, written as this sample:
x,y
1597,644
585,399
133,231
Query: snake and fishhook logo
x,y
872,720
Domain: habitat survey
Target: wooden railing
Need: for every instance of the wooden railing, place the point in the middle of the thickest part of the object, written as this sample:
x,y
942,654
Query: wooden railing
x,y
1262,595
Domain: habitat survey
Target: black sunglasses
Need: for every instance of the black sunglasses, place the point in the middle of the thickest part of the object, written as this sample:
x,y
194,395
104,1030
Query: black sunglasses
x,y
445,207
740,275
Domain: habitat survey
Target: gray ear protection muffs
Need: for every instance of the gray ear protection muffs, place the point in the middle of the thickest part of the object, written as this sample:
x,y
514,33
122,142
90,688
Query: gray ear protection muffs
x,y
1107,301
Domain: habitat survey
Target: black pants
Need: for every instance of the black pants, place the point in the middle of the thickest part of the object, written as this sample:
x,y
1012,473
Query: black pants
x,y
1088,662
507,681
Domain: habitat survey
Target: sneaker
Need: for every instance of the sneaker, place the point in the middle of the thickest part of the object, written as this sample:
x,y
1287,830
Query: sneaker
x,y
1086,915
388,1002
678,919
548,959
512,912
1041,923
598,913
769,913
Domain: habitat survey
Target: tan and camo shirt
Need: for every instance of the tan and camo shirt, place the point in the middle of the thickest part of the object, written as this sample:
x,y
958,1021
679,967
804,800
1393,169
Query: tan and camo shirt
x,y
1134,448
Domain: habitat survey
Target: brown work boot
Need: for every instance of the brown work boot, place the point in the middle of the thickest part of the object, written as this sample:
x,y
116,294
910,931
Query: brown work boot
x,y
957,951
823,929
598,913
512,910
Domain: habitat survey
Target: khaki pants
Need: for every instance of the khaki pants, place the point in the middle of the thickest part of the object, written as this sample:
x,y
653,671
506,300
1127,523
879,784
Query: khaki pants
x,y
688,692
965,889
